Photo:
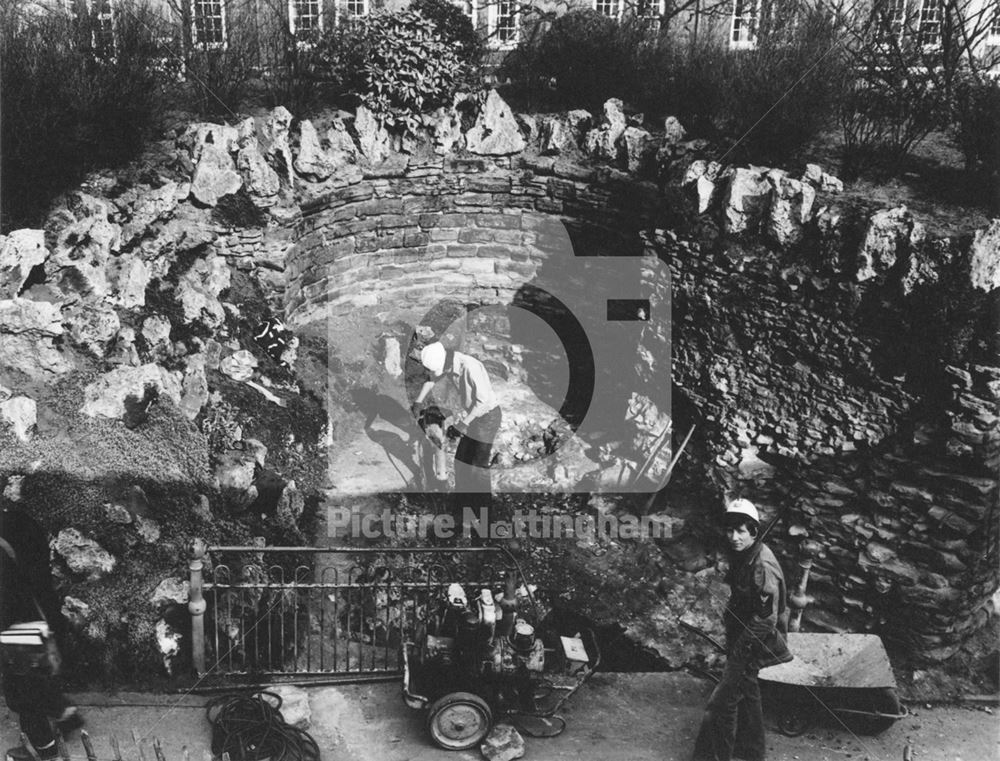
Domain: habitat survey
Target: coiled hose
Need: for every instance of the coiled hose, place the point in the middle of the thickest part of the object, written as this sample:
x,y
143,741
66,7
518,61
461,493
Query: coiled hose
x,y
251,728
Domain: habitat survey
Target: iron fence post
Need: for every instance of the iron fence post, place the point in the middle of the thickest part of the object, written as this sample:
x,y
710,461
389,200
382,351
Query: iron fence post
x,y
197,605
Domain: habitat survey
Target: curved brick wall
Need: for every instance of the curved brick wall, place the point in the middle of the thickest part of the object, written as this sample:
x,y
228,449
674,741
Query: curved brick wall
x,y
908,535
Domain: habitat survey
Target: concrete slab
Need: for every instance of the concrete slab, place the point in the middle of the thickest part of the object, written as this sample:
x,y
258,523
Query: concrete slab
x,y
632,717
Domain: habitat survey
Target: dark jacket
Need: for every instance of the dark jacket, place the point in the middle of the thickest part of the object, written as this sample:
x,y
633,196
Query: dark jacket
x,y
756,617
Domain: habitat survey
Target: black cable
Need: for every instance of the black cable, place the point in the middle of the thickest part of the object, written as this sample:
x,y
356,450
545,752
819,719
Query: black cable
x,y
250,728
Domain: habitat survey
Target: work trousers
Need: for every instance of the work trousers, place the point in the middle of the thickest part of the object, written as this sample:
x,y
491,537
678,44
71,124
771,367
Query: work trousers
x,y
473,484
733,724
37,700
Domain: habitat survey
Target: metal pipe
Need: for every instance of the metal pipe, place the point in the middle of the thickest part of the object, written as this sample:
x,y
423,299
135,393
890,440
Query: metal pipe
x,y
197,606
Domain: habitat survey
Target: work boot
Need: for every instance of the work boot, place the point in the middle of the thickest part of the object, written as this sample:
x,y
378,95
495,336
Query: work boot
x,y
70,720
20,753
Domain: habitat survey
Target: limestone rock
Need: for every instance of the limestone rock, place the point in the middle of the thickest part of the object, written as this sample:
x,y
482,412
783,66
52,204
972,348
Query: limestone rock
x,y
198,291
106,396
235,471
148,529
815,176
602,141
392,356
446,127
246,132
260,180
579,121
557,136
35,356
83,556
151,206
701,176
239,365
887,237
84,240
21,315
20,251
673,131
20,412
294,704
640,147
170,591
503,743
312,162
93,326
985,258
130,278
274,140
117,513
925,264
745,201
168,641
214,176
290,506
373,138
341,146
156,332
495,132
790,209
75,611
198,135
195,393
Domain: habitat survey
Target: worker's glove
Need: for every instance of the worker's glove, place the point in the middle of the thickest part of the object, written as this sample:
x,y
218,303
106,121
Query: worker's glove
x,y
457,430
416,408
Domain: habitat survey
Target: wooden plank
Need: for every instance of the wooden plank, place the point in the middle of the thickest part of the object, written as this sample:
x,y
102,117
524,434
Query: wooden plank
x,y
88,746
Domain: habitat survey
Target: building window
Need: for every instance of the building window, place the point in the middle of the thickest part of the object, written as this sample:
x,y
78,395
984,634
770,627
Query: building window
x,y
355,8
468,8
504,23
305,17
650,11
746,14
931,16
890,20
609,8
102,28
993,38
209,20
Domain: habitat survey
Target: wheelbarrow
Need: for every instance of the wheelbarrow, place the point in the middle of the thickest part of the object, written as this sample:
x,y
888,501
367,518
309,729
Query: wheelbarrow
x,y
846,677
480,659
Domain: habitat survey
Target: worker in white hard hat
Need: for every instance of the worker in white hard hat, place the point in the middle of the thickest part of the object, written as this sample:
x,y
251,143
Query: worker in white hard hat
x,y
475,425
756,621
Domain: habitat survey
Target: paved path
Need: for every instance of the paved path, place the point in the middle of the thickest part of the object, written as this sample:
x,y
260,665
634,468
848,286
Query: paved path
x,y
632,717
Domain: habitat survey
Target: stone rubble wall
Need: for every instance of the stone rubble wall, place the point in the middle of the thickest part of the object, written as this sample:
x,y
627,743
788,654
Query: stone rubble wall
x,y
787,306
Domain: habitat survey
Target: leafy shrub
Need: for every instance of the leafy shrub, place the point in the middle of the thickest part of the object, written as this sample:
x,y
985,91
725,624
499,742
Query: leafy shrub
x,y
454,27
67,108
219,79
409,68
341,51
578,60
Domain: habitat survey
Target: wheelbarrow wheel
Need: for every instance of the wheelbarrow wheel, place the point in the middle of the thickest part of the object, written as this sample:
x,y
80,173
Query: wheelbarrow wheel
x,y
459,720
793,722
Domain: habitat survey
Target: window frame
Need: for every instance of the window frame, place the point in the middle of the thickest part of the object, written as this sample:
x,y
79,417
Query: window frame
x,y
750,42
492,24
223,26
993,33
619,4
293,16
343,10
95,20
925,20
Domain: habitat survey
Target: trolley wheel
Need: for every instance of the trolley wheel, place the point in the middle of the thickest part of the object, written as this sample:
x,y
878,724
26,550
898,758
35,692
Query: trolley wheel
x,y
793,722
459,720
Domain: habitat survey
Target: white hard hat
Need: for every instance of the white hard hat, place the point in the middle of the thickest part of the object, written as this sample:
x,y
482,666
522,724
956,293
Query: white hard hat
x,y
432,357
743,507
